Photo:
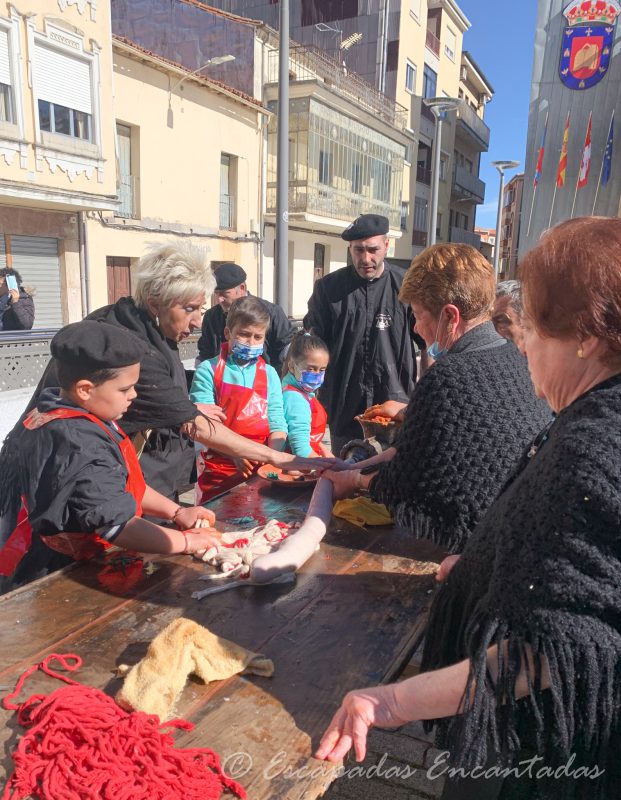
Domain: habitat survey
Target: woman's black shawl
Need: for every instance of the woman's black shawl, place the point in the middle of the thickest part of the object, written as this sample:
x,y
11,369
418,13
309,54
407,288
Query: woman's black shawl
x,y
470,418
543,568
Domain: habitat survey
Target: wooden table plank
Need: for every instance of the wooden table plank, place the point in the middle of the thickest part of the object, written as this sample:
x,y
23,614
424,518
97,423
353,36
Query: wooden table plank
x,y
349,620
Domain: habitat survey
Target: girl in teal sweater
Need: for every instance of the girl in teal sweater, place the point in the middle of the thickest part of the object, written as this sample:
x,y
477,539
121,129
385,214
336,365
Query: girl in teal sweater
x,y
305,367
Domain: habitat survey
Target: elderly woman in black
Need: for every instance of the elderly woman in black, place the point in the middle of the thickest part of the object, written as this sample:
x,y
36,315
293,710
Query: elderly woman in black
x,y
523,651
470,415
171,286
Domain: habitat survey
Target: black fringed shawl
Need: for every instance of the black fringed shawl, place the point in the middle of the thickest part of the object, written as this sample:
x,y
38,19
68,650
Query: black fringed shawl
x,y
469,419
544,567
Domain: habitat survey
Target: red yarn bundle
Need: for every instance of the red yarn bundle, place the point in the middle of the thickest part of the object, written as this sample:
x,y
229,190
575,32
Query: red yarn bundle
x,y
80,744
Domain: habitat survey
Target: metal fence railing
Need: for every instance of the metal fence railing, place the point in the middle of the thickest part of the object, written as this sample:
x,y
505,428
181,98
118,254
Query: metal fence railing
x,y
310,63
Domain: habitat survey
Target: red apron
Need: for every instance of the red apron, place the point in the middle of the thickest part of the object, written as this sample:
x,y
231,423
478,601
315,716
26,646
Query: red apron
x,y
319,418
79,546
245,408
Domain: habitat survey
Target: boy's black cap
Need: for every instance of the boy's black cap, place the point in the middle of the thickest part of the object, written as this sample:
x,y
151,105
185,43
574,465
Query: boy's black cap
x,y
228,276
365,226
97,345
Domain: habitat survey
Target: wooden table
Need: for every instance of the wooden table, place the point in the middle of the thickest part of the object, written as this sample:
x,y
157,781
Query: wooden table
x,y
351,619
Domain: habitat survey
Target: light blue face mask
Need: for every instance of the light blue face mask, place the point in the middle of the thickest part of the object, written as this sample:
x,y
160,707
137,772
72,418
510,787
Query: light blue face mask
x,y
246,352
435,349
311,381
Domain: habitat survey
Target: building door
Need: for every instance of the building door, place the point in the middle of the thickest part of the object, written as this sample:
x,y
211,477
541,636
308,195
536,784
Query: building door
x,y
36,260
119,279
319,262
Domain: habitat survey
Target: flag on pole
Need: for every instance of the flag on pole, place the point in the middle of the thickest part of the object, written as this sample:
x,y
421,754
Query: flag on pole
x,y
585,164
607,168
562,164
539,167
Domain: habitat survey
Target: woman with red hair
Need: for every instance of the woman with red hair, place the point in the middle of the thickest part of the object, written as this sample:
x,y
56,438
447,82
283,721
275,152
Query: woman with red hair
x,y
522,665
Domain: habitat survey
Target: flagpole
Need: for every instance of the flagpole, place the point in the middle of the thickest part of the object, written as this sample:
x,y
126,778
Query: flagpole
x,y
573,205
553,201
537,175
532,205
601,172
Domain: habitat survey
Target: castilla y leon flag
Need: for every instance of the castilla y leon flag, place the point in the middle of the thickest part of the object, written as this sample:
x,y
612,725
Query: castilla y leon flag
x,y
562,164
585,164
539,167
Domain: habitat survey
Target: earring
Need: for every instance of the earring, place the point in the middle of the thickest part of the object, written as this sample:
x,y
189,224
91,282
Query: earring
x,y
157,321
580,353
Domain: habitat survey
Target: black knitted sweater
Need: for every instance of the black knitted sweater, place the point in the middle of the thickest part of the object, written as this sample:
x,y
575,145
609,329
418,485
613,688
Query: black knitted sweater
x,y
543,567
469,420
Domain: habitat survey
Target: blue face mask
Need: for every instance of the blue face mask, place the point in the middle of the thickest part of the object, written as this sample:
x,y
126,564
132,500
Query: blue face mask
x,y
245,352
435,349
311,381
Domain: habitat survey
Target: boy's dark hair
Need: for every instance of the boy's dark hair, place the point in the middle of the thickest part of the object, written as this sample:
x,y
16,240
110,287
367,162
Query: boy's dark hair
x,y
247,311
301,345
69,374
10,271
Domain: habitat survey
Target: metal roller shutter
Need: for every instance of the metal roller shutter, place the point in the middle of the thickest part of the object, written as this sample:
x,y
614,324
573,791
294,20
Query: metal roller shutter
x,y
63,80
2,251
36,260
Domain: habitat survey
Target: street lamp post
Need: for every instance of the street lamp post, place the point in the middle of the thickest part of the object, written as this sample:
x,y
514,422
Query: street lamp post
x,y
282,163
439,106
211,63
501,166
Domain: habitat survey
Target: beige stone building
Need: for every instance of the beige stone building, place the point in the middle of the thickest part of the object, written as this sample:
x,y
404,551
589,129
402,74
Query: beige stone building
x,y
57,145
510,226
189,158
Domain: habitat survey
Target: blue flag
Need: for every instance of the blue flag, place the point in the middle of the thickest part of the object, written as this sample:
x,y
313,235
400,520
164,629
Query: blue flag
x,y
607,167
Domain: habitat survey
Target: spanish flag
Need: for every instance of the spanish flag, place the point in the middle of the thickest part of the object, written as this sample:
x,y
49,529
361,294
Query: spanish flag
x,y
562,164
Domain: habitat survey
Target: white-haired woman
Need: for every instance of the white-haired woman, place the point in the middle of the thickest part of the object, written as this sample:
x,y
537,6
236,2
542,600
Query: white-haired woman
x,y
171,286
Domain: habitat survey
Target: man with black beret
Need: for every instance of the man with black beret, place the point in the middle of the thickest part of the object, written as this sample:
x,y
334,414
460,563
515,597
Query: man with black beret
x,y
231,284
369,332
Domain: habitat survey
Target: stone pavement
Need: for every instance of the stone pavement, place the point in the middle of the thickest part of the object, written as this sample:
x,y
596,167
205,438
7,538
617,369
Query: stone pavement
x,y
397,765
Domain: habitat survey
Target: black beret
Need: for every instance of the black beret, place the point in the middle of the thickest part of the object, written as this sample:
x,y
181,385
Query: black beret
x,y
97,345
228,276
365,226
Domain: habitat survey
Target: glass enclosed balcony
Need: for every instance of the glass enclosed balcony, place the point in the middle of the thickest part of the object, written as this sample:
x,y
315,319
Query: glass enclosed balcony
x,y
338,167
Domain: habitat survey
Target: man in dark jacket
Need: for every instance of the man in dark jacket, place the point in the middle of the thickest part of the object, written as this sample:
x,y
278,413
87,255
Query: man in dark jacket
x,y
369,332
231,284
16,305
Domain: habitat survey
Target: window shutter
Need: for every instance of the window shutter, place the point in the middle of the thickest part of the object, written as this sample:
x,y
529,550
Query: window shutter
x,y
62,79
5,67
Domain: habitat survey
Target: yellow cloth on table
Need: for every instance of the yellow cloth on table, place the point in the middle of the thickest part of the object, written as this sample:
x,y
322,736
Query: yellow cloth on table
x,y
184,648
362,511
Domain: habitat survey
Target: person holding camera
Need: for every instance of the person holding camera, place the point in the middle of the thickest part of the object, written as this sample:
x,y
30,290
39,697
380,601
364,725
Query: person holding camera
x,y
17,310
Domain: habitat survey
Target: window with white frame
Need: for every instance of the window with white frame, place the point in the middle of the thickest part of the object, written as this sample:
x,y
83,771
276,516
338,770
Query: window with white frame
x,y
450,44
6,92
410,77
63,87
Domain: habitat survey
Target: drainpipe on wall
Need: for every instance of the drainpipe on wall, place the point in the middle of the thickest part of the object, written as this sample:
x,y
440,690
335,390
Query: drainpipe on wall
x,y
84,271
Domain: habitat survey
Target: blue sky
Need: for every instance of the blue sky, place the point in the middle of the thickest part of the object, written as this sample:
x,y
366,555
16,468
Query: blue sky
x,y
501,41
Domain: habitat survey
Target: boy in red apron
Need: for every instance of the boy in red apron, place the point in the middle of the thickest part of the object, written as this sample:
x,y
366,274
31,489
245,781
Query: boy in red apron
x,y
70,476
248,392
306,364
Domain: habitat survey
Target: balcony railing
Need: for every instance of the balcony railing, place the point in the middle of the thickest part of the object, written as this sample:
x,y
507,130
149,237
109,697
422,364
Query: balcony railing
x,y
468,186
326,201
473,125
423,175
128,197
307,63
227,212
461,236
433,43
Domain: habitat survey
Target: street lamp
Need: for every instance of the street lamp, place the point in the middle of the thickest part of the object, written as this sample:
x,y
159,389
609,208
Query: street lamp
x,y
501,166
439,106
211,63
